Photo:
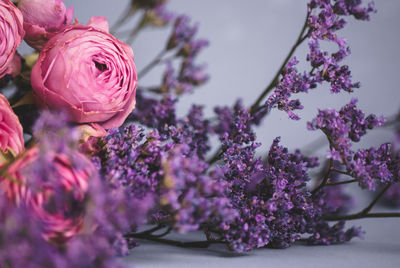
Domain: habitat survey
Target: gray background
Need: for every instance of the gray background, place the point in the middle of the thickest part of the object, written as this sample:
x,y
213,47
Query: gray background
x,y
249,40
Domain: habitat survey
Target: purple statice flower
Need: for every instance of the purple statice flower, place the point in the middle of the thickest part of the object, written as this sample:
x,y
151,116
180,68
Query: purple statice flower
x,y
21,243
190,75
154,113
354,8
182,32
370,167
169,80
193,48
271,197
132,160
193,199
166,172
193,130
159,15
234,125
376,166
155,11
343,127
328,235
53,130
357,121
115,211
291,83
324,21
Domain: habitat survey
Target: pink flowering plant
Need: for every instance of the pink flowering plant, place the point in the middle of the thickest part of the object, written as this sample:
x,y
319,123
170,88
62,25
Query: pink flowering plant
x,y
92,162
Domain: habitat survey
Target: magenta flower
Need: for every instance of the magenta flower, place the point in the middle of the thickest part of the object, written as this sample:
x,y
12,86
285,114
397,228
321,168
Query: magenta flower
x,y
87,72
43,19
11,137
11,34
54,188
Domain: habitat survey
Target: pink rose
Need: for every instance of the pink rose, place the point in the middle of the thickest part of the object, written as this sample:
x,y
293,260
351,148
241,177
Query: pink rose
x,y
43,19
11,34
42,186
87,72
11,136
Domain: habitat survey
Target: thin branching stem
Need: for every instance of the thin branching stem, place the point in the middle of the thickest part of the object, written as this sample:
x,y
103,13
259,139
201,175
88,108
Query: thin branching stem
x,y
365,212
191,244
255,106
341,182
275,80
152,64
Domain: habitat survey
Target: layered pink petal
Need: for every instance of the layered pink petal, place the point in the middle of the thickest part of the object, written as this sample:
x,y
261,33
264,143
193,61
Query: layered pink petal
x,y
59,226
44,18
87,72
11,34
11,134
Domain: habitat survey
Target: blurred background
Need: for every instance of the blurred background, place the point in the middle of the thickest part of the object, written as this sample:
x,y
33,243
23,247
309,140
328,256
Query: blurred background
x,y
248,42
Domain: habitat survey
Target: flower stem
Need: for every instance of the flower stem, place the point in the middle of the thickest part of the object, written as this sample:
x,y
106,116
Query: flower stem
x,y
255,106
191,244
152,64
365,212
132,36
129,12
275,80
325,179
341,182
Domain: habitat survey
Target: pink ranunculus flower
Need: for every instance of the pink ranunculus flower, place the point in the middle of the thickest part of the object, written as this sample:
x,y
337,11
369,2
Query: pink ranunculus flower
x,y
87,72
11,34
11,135
43,19
53,187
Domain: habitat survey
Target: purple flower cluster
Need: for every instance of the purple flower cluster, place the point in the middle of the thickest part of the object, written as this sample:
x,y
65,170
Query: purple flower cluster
x,y
324,21
376,166
234,125
156,12
343,127
328,235
182,32
291,83
371,167
353,7
156,105
194,200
